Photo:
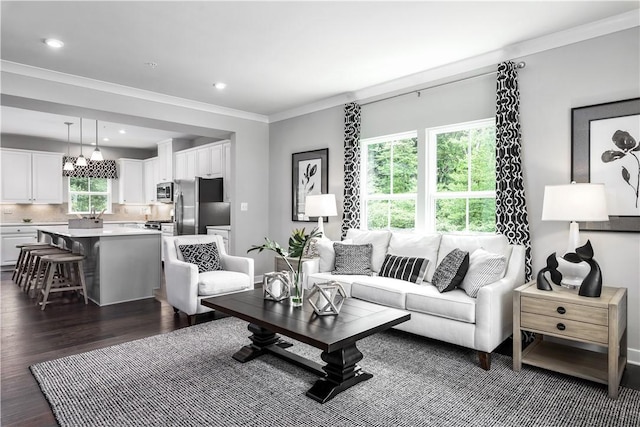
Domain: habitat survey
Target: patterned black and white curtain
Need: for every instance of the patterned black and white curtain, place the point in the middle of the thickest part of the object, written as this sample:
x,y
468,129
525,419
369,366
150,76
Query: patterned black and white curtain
x,y
511,205
94,169
351,204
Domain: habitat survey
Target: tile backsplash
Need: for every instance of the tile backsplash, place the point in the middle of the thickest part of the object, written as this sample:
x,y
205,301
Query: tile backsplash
x,y
58,213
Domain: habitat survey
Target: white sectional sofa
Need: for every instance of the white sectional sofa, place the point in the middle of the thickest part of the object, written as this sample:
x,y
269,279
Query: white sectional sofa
x,y
481,323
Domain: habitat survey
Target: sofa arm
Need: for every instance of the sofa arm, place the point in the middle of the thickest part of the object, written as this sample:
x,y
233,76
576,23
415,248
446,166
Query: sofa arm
x,y
310,266
494,305
239,264
181,280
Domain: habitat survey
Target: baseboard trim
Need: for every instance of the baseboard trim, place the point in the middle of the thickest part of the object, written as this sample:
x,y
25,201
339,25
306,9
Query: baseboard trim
x,y
633,356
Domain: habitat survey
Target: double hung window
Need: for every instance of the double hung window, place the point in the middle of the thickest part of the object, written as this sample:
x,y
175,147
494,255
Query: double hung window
x,y
448,186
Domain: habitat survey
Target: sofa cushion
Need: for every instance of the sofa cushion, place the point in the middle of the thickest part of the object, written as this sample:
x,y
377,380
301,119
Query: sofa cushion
x,y
327,255
495,243
204,255
455,305
410,269
382,290
451,271
417,245
378,238
353,259
484,268
222,282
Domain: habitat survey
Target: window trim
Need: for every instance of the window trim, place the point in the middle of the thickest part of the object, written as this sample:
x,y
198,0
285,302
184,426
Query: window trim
x,y
108,193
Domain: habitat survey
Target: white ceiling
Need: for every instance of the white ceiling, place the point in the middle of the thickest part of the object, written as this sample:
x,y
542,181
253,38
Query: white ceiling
x,y
274,57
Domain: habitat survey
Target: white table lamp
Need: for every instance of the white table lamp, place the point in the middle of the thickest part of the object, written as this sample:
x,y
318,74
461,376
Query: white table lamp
x,y
320,205
574,202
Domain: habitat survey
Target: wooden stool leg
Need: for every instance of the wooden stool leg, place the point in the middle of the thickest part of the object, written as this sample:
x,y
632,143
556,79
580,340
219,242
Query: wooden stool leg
x,y
80,272
50,270
18,267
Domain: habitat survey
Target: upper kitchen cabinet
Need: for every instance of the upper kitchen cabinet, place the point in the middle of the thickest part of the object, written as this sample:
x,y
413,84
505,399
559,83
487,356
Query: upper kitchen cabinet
x,y
131,181
165,161
151,180
31,177
185,164
209,161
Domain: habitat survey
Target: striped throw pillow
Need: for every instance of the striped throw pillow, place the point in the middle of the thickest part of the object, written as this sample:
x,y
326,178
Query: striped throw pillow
x,y
410,269
484,268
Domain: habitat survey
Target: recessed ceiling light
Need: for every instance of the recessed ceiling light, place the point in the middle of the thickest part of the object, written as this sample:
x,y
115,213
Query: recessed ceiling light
x,y
220,85
105,139
55,43
122,131
151,64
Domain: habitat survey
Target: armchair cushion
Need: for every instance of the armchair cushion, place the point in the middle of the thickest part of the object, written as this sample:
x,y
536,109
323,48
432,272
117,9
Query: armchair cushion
x,y
204,255
222,282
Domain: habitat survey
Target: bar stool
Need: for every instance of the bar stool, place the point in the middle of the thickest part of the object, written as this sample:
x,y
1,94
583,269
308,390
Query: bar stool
x,y
35,274
59,278
27,262
22,256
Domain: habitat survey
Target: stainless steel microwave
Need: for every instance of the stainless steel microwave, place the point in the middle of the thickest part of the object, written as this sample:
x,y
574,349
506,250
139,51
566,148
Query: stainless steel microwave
x,y
164,192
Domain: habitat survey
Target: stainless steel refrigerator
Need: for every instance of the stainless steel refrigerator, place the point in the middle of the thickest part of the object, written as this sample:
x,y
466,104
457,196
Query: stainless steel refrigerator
x,y
197,204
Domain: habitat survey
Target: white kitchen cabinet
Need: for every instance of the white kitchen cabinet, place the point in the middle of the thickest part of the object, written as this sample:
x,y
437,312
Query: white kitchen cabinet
x,y
209,161
31,177
150,167
165,161
131,181
12,236
225,233
185,162
226,172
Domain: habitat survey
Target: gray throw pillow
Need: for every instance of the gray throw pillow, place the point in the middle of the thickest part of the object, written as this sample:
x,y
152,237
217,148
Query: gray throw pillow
x,y
484,268
410,269
451,270
353,259
204,255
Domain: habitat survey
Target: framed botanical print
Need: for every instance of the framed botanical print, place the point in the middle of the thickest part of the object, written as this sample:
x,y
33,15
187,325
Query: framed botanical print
x,y
310,176
606,149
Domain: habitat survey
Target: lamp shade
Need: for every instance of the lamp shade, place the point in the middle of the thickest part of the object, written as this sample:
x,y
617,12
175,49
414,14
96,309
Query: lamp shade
x,y
320,205
575,202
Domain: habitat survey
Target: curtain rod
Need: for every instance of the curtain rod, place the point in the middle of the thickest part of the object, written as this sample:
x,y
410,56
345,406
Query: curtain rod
x,y
518,65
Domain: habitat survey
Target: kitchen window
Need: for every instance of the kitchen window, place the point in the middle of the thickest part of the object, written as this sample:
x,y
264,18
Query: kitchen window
x,y
447,186
89,194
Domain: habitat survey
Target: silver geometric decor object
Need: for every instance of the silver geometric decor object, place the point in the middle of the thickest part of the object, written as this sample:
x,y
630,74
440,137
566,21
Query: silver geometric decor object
x,y
276,286
327,298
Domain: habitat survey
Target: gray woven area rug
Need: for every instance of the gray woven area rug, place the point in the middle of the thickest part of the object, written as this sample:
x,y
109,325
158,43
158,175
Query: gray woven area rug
x,y
188,378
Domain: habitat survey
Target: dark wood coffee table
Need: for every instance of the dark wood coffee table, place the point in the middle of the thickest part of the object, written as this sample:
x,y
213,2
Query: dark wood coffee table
x,y
336,336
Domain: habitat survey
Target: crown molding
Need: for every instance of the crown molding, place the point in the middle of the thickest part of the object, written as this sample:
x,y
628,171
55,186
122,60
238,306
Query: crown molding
x,y
114,88
594,29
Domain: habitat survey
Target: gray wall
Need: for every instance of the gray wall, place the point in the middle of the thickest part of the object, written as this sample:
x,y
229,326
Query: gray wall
x,y
591,72
249,139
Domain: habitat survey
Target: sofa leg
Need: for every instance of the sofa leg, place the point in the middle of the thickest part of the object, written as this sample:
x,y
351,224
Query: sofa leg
x,y
191,319
485,360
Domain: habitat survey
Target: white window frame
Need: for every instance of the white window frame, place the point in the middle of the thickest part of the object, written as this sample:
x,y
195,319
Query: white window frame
x,y
364,196
108,193
431,176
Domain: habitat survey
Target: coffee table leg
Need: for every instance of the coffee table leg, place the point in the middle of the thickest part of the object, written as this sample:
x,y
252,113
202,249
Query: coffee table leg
x,y
342,373
260,340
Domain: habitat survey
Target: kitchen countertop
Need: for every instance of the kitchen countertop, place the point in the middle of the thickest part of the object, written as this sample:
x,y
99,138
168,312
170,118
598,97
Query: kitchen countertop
x,y
109,230
14,224
219,227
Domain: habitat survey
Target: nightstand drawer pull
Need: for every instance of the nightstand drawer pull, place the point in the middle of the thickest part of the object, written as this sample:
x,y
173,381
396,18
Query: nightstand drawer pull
x,y
561,326
561,310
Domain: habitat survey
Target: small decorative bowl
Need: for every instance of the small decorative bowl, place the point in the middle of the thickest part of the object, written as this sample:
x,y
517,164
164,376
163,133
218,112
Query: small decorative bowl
x,y
26,219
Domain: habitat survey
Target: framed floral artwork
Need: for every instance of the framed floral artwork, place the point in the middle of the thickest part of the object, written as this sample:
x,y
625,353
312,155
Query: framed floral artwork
x,y
310,176
606,149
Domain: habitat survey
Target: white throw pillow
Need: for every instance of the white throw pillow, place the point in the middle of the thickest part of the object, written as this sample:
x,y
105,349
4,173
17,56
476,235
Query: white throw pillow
x,y
327,254
494,243
417,245
378,238
484,268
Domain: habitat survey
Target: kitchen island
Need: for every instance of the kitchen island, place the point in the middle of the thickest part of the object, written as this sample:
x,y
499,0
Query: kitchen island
x,y
122,263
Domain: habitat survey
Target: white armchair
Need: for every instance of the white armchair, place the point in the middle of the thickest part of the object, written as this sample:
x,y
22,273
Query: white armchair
x,y
186,287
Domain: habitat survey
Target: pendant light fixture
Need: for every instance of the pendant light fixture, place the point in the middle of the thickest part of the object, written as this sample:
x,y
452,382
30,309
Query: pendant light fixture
x,y
81,161
68,166
97,155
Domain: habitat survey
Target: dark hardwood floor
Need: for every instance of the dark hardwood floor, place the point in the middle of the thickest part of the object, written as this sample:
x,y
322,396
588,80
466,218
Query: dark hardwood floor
x,y
29,335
